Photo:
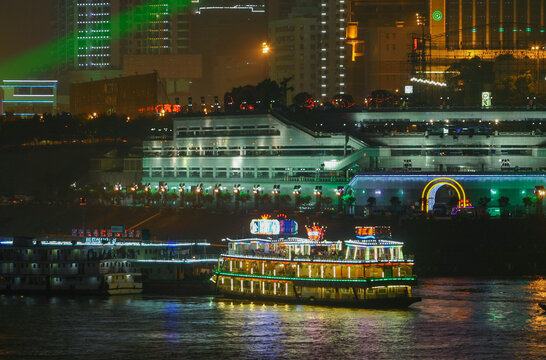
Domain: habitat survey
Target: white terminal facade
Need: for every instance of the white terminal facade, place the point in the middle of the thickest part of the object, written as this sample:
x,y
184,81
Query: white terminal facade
x,y
270,150
249,150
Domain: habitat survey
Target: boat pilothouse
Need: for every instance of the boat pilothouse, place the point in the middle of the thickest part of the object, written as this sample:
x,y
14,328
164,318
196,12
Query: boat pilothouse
x,y
368,271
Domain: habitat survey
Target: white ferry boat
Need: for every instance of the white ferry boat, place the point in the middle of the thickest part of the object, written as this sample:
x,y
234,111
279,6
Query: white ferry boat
x,y
32,266
108,264
368,271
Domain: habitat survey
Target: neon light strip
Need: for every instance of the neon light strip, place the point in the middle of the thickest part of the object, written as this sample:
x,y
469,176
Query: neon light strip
x,y
29,86
31,95
6,242
31,81
54,243
257,277
186,261
340,262
443,178
23,114
29,101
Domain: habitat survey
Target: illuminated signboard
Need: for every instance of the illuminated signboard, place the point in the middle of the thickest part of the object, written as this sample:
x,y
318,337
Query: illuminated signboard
x,y
315,232
265,227
107,233
365,232
437,15
288,227
273,227
162,109
373,232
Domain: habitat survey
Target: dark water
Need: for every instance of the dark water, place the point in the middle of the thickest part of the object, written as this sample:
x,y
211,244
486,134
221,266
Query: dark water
x,y
458,318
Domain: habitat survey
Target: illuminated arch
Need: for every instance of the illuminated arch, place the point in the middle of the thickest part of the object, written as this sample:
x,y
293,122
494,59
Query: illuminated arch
x,y
432,187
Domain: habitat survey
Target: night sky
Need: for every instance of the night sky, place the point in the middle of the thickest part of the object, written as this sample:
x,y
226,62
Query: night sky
x,y
25,24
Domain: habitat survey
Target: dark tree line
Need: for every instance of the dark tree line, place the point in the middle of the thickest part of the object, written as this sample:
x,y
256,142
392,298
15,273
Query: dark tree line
x,y
69,128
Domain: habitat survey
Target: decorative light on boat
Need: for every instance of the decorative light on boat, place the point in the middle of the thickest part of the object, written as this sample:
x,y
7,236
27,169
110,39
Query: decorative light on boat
x,y
283,278
315,232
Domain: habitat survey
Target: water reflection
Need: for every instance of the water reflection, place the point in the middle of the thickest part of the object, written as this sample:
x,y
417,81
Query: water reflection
x,y
458,318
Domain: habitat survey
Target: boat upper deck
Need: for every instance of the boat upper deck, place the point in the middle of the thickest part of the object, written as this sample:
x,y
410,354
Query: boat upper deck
x,y
308,250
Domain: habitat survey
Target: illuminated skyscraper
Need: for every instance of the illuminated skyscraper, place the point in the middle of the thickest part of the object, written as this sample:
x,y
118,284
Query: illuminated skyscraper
x,y
101,32
486,24
333,21
87,27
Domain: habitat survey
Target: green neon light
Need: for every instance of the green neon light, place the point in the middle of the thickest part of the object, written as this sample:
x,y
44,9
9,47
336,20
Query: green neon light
x,y
437,15
313,279
51,55
501,29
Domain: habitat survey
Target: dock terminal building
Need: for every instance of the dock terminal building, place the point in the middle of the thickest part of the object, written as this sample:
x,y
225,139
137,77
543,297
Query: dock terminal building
x,y
270,153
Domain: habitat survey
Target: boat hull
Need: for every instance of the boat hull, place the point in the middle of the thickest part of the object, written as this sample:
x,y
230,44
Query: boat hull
x,y
387,303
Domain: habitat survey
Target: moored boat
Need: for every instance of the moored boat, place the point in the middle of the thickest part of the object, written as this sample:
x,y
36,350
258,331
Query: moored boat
x,y
368,271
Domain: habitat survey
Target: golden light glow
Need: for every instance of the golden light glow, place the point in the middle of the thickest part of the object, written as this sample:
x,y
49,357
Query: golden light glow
x,y
435,183
265,48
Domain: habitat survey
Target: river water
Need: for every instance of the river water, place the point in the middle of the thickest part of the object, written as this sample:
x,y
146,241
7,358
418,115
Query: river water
x,y
459,318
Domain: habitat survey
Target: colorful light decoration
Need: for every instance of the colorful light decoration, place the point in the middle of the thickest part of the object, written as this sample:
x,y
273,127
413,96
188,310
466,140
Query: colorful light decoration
x,y
280,278
268,226
162,109
437,182
315,232
365,232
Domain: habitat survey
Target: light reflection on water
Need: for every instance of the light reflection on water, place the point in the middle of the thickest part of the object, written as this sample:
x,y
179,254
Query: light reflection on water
x,y
458,318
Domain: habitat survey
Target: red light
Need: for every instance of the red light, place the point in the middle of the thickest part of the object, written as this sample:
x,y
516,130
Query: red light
x,y
415,43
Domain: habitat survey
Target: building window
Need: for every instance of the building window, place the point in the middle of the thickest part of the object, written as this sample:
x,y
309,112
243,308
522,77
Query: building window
x,y
221,172
263,173
182,172
195,172
208,173
248,173
235,173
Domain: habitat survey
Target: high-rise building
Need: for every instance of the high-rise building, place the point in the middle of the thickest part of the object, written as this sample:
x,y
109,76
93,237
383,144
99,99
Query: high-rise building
x,y
489,24
334,15
110,38
295,44
88,34
98,33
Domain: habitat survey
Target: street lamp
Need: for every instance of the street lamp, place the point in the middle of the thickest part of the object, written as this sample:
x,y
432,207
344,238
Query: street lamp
x,y
276,191
266,48
540,193
339,193
318,195
256,190
297,194
236,193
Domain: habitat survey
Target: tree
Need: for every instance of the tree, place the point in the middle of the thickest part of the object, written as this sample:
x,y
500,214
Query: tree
x,y
244,198
371,202
527,202
483,202
343,101
503,204
304,100
395,203
514,90
285,89
468,78
284,201
348,201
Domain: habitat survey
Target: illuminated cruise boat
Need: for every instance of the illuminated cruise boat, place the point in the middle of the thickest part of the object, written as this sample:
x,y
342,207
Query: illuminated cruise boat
x,y
276,265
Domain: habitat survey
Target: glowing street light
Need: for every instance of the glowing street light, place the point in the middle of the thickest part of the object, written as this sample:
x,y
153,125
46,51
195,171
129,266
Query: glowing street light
x,y
266,48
